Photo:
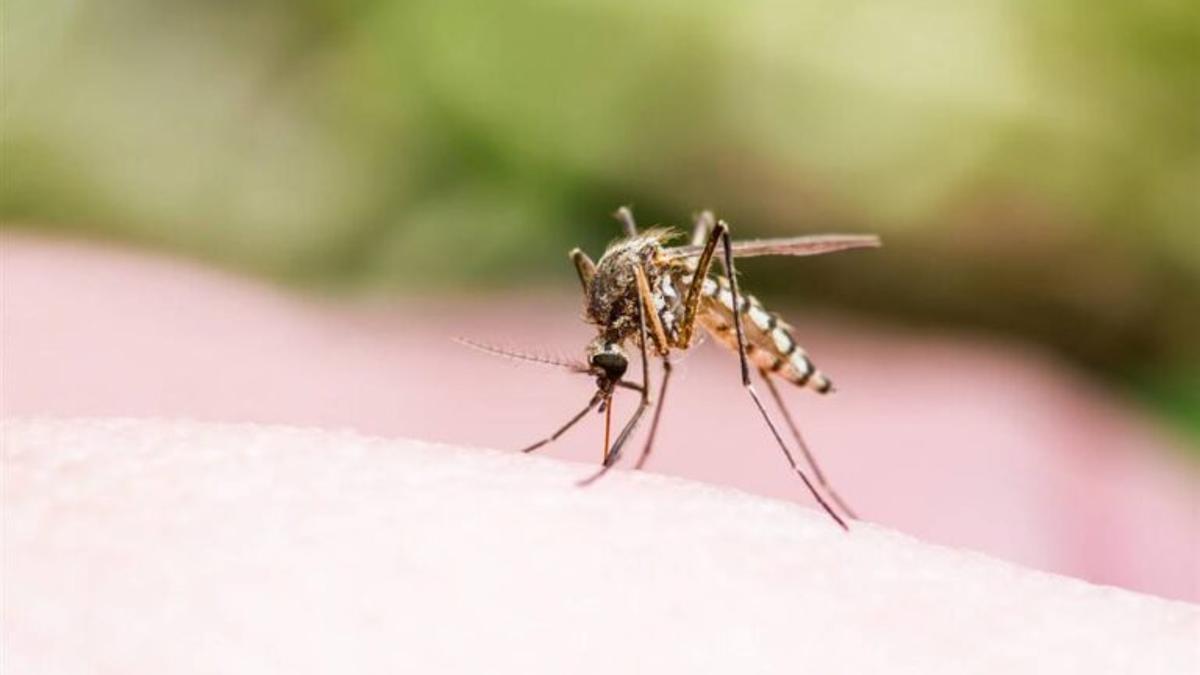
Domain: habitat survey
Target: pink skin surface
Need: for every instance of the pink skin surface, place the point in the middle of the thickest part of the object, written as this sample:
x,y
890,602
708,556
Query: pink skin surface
x,y
152,546
960,441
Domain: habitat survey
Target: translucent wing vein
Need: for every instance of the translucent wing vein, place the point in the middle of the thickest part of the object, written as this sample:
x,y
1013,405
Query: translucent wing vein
x,y
797,246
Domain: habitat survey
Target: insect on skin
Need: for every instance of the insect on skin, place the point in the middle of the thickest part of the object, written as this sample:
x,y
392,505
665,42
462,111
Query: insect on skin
x,y
646,294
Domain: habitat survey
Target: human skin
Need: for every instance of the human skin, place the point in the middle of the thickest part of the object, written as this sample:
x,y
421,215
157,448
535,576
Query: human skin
x,y
961,441
154,547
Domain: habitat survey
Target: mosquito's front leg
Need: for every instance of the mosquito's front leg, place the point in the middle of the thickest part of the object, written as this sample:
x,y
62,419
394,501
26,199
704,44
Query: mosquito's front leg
x,y
658,408
722,231
585,267
614,453
646,299
570,423
596,400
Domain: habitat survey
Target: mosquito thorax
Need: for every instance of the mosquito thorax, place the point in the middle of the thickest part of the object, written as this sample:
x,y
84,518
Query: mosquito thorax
x,y
612,298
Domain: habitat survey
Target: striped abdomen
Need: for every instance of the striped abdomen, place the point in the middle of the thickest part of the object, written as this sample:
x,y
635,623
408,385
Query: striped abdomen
x,y
770,345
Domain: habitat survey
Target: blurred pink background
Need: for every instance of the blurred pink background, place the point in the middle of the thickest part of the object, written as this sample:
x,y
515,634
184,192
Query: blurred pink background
x,y
957,440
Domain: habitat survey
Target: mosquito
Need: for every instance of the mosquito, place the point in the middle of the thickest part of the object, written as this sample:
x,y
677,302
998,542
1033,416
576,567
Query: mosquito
x,y
650,295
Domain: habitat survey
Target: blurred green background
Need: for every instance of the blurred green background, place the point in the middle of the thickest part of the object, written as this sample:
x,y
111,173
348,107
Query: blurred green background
x,y
1033,167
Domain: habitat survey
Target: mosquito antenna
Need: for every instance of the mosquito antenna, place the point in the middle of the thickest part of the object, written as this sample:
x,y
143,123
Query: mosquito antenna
x,y
528,357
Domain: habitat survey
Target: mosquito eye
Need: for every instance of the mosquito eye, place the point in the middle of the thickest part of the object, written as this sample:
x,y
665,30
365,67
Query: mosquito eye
x,y
613,365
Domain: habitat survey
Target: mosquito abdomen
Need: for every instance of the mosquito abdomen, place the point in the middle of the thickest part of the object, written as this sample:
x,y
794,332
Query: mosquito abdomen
x,y
770,344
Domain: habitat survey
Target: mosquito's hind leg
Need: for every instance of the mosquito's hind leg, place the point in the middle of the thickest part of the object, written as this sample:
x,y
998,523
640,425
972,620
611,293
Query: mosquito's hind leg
x,y
808,455
585,267
722,231
625,216
658,408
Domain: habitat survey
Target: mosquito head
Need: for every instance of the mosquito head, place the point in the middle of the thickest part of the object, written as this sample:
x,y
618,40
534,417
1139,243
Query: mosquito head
x,y
607,362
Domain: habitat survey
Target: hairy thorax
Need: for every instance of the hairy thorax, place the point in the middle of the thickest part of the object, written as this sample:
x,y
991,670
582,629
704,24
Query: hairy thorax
x,y
612,299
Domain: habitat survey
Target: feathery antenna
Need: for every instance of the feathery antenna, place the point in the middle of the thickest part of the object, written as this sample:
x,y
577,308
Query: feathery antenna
x,y
528,357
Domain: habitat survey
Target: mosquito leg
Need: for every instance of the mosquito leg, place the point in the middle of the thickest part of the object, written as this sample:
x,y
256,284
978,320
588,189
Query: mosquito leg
x,y
646,298
722,231
585,267
704,225
629,385
691,301
614,453
570,423
658,408
625,216
808,456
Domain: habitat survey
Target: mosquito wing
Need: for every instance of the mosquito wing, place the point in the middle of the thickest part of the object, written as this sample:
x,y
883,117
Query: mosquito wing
x,y
806,245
